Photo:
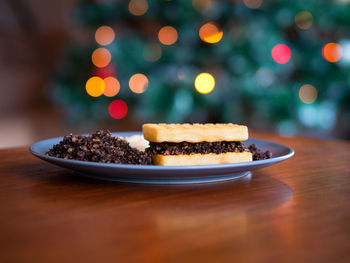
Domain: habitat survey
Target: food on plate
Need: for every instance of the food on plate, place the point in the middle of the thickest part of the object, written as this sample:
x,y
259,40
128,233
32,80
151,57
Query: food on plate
x,y
100,146
138,142
196,144
194,133
259,154
163,144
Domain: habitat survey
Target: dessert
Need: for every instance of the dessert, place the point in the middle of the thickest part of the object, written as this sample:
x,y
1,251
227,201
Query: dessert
x,y
138,142
165,144
259,154
194,132
196,144
101,147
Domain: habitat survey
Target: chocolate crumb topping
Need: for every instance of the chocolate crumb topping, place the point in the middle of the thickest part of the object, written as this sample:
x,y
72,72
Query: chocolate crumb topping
x,y
100,146
169,148
259,154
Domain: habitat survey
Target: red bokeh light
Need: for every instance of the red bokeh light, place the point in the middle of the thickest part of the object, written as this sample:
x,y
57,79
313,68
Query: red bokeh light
x,y
281,53
117,109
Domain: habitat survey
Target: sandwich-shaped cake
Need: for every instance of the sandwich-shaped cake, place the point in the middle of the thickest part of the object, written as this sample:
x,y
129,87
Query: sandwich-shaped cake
x,y
196,144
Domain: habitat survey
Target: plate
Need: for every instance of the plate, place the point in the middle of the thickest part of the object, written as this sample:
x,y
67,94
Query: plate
x,y
165,174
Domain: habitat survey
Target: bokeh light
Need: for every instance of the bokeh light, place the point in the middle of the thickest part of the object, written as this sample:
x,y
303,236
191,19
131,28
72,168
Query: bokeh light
x,y
332,52
138,7
138,83
281,53
253,4
345,48
104,35
167,35
117,109
307,93
95,86
101,57
201,5
265,77
304,20
152,52
204,83
210,33
112,86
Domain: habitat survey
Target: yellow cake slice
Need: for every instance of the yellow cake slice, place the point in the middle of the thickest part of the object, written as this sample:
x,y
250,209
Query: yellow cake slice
x,y
202,159
194,132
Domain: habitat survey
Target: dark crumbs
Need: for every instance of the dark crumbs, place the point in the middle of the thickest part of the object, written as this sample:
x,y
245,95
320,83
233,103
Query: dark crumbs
x,y
259,154
169,148
103,147
100,146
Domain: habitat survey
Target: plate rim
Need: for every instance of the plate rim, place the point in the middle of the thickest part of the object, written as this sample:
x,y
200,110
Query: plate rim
x,y
45,157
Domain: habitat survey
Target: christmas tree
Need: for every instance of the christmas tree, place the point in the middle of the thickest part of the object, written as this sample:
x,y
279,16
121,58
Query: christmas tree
x,y
281,65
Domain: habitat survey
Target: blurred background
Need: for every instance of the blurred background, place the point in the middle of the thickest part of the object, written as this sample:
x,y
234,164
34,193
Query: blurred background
x,y
78,66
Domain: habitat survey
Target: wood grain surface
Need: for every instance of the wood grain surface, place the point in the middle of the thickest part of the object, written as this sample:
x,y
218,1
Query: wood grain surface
x,y
295,211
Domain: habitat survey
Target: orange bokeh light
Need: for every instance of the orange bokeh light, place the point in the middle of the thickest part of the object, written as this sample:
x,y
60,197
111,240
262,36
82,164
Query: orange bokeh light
x,y
112,86
95,86
104,35
167,35
307,93
101,57
210,33
201,5
253,4
138,83
332,52
304,20
138,7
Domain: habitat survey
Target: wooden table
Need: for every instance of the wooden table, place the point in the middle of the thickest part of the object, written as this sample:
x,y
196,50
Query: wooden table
x,y
295,211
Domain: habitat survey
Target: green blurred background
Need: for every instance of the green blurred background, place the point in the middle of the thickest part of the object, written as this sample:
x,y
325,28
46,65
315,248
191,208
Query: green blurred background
x,y
302,88
274,65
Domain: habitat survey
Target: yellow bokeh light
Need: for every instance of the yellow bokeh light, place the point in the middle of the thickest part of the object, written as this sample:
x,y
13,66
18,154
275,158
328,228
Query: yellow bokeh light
x,y
204,83
201,5
304,20
112,87
167,35
101,57
138,83
307,93
210,33
332,52
138,7
95,86
152,52
253,4
104,35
